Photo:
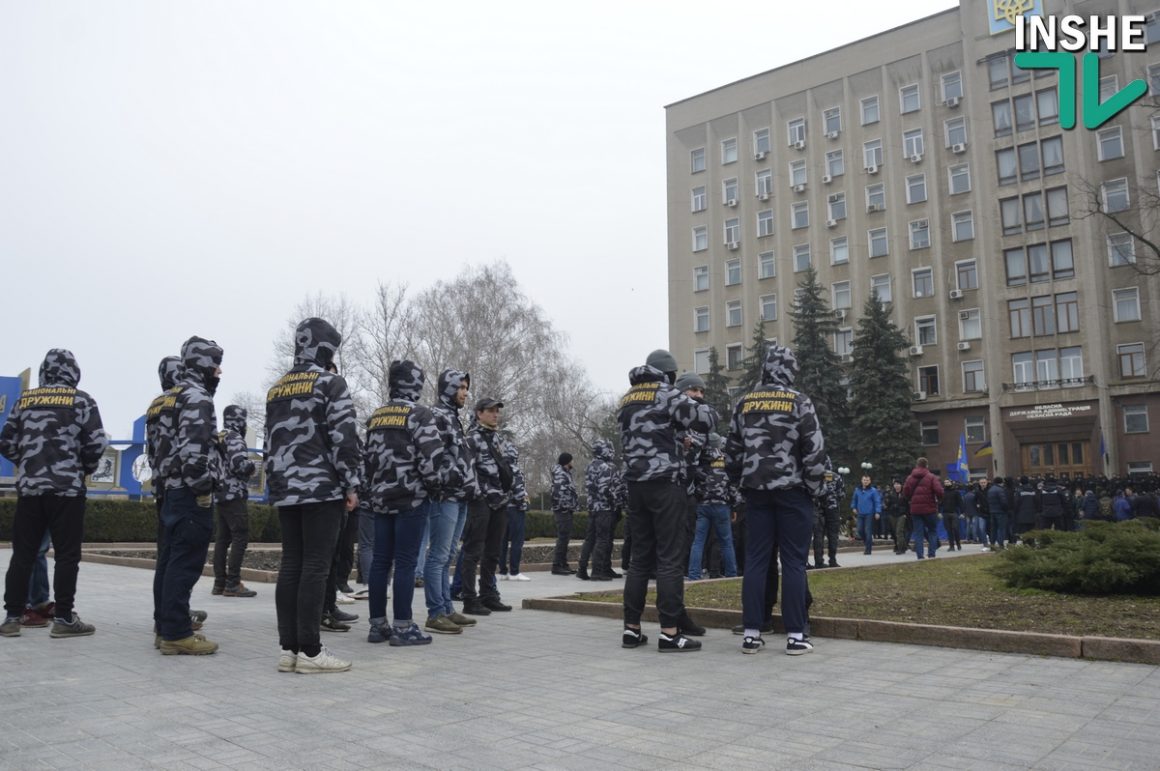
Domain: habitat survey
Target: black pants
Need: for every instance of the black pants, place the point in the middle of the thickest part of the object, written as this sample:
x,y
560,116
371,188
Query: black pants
x,y
64,518
598,542
482,539
657,511
626,548
188,529
309,534
329,602
563,536
233,531
951,523
690,531
827,523
344,559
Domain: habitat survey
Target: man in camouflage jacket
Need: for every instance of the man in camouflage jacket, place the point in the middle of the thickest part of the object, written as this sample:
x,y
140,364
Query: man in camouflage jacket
x,y
601,483
650,415
487,511
404,469
236,469
717,498
776,455
828,517
186,465
313,468
511,551
54,437
449,511
564,502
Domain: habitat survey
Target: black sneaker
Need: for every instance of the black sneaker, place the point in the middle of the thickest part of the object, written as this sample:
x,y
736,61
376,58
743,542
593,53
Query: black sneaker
x,y
198,615
632,638
341,615
678,643
475,608
330,624
690,627
493,603
833,563
345,588
752,644
581,572
564,571
798,647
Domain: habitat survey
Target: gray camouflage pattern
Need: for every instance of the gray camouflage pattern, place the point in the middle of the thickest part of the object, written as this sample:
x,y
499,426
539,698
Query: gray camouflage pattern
x,y
713,485
457,471
519,497
235,467
54,434
312,444
160,418
404,451
650,416
190,460
485,464
564,495
775,441
601,479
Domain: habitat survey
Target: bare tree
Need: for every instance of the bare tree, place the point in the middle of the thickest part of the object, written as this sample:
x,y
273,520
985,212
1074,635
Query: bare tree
x,y
1137,216
255,406
385,332
336,309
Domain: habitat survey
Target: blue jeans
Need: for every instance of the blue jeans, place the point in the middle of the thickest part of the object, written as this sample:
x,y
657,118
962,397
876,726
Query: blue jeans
x,y
445,520
514,537
717,515
866,530
397,538
188,529
999,522
38,590
785,517
366,542
925,525
424,545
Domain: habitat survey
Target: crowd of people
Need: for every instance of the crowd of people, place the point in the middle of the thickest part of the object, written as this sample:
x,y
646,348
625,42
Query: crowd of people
x,y
421,492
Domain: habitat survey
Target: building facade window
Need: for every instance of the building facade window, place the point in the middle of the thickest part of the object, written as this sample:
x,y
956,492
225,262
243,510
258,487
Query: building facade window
x,y
975,428
732,272
909,99
869,110
697,160
952,85
701,319
923,281
761,142
796,130
768,307
766,265
832,120
880,285
733,230
919,234
1121,249
701,361
839,251
1126,303
734,356
836,206
763,183
1131,356
1110,143
799,214
840,292
1115,195
801,258
973,379
962,226
955,131
729,191
699,199
925,330
912,144
797,172
700,238
928,380
700,278
844,341
878,242
835,164
733,313
876,197
970,324
929,433
1135,419
765,223
966,275
959,179
916,188
872,154
729,150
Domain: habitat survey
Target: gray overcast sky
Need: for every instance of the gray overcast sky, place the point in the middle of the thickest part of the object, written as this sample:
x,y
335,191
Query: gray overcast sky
x,y
169,169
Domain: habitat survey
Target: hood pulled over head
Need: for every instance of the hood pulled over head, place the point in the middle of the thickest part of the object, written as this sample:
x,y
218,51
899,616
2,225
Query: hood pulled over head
x,y
602,449
201,359
780,367
234,418
169,371
405,380
59,368
448,385
316,341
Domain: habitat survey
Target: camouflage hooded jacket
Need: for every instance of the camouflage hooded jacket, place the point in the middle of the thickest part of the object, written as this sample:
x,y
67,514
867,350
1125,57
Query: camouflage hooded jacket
x,y
564,496
236,467
190,459
404,452
54,434
601,479
519,497
456,457
312,445
160,418
775,441
650,415
495,481
713,485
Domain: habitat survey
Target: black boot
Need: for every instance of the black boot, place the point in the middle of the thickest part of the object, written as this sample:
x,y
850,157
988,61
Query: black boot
x,y
582,572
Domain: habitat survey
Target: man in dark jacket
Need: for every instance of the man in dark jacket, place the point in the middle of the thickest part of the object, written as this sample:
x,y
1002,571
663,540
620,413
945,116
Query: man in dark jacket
x,y
896,511
924,491
314,468
54,437
404,467
187,466
1026,506
650,415
828,518
564,502
1053,502
952,512
601,483
998,509
233,491
776,455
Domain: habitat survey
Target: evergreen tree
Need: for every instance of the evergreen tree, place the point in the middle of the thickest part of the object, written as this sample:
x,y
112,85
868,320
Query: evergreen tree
x,y
717,391
884,429
755,358
821,375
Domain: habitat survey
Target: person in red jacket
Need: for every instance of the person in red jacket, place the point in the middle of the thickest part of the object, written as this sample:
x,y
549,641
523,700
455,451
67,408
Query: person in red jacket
x,y
923,491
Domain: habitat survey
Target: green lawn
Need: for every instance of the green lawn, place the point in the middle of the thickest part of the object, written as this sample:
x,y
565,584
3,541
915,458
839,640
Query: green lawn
x,y
950,592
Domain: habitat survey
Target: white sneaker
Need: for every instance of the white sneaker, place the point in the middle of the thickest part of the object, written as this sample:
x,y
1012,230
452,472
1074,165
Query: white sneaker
x,y
287,661
520,577
324,662
343,599
503,577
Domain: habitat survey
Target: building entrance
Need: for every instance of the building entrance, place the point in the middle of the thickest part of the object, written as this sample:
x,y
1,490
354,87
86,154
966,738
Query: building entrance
x,y
1066,460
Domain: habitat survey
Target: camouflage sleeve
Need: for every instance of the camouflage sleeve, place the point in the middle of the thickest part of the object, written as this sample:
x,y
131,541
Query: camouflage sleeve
x,y
93,440
10,436
195,440
429,450
342,427
692,414
238,461
811,447
735,447
519,488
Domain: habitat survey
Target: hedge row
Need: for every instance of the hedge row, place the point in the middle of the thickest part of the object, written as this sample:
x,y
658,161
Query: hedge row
x,y
117,520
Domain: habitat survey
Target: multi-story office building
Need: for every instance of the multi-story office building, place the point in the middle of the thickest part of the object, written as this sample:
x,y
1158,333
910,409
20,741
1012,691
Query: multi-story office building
x,y
923,164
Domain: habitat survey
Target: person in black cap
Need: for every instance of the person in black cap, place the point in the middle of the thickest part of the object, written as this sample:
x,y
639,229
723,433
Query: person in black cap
x,y
564,500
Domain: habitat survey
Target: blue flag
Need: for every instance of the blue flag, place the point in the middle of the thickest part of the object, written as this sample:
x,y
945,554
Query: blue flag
x,y
959,471
10,389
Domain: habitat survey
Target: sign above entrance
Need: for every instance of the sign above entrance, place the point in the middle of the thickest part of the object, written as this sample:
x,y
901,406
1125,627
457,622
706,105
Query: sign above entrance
x,y
1040,411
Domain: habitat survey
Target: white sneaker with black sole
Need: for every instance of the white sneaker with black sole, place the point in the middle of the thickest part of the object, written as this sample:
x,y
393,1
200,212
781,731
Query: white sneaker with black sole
x,y
798,647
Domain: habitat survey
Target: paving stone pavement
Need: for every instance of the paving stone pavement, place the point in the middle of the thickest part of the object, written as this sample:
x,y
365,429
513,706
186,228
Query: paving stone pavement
x,y
538,690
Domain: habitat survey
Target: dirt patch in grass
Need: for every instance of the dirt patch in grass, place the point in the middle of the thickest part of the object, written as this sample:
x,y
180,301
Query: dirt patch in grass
x,y
256,559
948,592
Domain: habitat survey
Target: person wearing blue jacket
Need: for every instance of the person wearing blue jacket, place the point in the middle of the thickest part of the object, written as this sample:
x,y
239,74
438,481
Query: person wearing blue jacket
x,y
867,505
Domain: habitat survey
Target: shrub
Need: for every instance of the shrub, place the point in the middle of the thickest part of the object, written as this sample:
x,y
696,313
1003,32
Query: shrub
x,y
1103,558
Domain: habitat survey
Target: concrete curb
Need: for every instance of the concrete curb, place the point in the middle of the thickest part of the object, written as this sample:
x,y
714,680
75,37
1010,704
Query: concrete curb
x,y
248,574
998,640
